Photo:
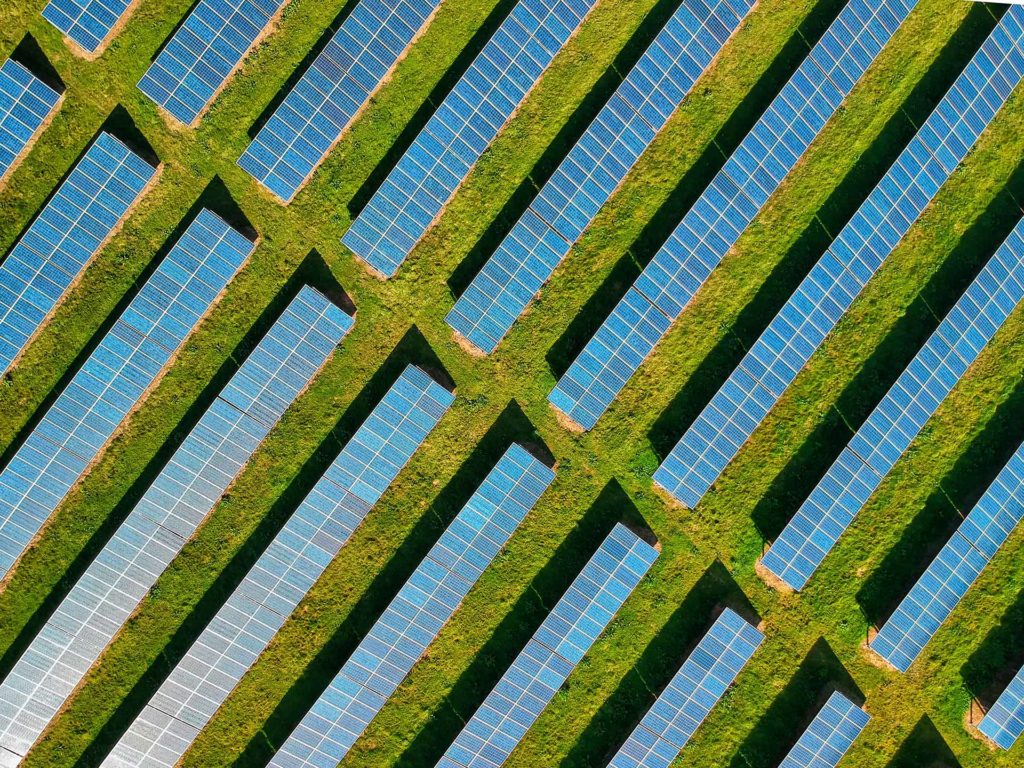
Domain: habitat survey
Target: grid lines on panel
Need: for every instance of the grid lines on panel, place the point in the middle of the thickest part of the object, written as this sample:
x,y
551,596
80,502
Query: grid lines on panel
x,y
465,124
829,736
87,23
26,103
1004,722
169,512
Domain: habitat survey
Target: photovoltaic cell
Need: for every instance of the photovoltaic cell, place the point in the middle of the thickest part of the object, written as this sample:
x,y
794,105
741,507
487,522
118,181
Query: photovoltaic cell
x,y
827,292
173,507
726,207
66,235
691,695
26,103
87,23
829,736
1004,722
203,53
341,80
465,124
418,612
555,649
593,169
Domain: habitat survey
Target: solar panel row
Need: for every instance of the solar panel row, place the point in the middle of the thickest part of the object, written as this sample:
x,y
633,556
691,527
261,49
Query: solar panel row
x,y
203,53
555,649
829,736
87,23
204,678
897,420
468,120
415,617
691,695
1004,722
593,169
77,426
66,235
170,511
726,207
339,83
26,103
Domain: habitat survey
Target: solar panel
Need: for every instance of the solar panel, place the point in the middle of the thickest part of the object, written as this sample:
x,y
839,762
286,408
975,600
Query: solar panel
x,y
691,695
555,649
87,23
66,235
726,207
824,296
329,96
422,607
170,511
26,104
1004,722
829,736
282,576
593,169
204,52
468,120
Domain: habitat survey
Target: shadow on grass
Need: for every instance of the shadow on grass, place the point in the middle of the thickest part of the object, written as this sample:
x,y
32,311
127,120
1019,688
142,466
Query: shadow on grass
x,y
999,657
693,183
31,56
566,138
924,748
659,662
611,506
815,240
818,676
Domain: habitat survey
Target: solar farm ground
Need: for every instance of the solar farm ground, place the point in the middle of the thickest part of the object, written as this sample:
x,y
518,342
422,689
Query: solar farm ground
x,y
814,640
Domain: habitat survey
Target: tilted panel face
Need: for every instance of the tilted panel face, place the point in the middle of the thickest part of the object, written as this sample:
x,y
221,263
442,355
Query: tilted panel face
x,y
415,617
87,23
338,84
829,736
26,103
282,576
828,291
1004,722
78,425
173,507
204,52
555,649
465,124
725,209
593,169
691,695
66,235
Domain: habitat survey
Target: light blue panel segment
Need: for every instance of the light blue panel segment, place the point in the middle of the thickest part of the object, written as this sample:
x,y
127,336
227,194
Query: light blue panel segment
x,y
88,23
829,736
26,103
1004,722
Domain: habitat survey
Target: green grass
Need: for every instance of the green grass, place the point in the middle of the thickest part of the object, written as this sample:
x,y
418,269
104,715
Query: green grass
x,y
813,639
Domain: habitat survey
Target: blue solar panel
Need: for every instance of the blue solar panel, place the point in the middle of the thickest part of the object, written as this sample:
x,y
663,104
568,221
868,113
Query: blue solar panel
x,y
827,292
553,652
415,617
329,96
691,695
829,736
66,235
204,52
26,104
726,207
1004,722
173,507
87,23
593,169
468,120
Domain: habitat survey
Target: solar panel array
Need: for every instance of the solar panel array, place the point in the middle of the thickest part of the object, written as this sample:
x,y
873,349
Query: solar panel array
x,y
691,695
811,313
829,736
26,103
203,53
418,612
341,80
468,120
593,169
1004,722
726,207
169,512
894,424
555,649
111,382
66,235
87,23
283,574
